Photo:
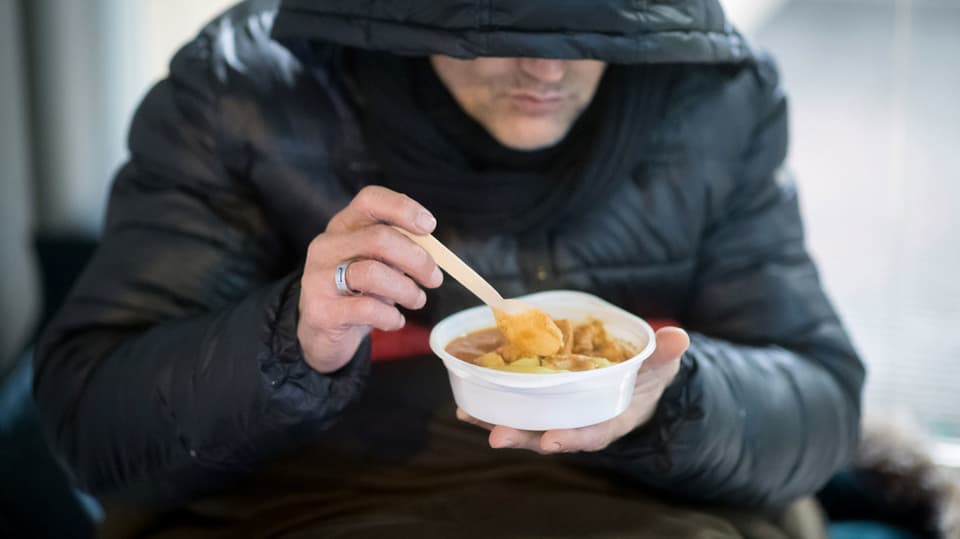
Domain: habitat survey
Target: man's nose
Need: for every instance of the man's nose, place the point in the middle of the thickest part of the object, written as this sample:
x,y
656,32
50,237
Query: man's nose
x,y
543,69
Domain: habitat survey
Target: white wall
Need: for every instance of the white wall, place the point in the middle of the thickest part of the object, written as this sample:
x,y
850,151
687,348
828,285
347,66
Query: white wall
x,y
748,15
94,60
18,301
84,57
171,23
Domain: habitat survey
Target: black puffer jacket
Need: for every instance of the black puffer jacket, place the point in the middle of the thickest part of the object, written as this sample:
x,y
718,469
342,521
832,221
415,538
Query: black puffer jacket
x,y
176,358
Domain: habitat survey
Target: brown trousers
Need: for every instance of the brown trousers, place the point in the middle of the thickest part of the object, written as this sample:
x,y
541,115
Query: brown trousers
x,y
473,513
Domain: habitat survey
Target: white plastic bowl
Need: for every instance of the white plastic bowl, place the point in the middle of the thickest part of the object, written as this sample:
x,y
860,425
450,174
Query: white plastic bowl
x,y
546,401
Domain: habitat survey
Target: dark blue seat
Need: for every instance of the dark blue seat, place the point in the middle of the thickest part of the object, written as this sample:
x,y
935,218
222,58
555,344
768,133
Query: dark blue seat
x,y
36,499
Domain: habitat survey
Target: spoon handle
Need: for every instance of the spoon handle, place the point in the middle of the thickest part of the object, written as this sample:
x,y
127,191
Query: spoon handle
x,y
458,269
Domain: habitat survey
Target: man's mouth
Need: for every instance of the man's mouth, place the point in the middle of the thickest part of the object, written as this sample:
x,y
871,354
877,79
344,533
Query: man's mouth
x,y
535,103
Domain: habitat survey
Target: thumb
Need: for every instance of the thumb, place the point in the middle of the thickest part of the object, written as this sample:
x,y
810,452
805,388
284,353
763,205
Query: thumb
x,y
672,342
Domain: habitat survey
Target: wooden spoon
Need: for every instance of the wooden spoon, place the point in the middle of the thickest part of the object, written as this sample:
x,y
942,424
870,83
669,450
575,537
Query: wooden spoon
x,y
526,327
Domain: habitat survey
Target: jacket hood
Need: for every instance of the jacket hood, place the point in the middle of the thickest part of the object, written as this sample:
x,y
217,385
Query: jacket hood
x,y
616,31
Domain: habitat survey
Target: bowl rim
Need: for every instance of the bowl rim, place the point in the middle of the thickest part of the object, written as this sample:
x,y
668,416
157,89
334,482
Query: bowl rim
x,y
534,380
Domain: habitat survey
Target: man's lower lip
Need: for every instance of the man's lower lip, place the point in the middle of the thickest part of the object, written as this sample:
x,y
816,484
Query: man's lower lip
x,y
536,107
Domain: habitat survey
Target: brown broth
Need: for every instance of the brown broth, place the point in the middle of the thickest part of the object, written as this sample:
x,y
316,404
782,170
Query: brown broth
x,y
476,343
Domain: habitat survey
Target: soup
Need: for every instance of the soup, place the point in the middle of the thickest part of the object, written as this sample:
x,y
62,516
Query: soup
x,y
586,346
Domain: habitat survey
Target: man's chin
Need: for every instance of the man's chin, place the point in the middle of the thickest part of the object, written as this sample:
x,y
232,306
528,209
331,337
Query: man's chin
x,y
529,137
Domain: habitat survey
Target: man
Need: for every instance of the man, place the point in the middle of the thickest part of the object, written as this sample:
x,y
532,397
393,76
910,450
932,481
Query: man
x,y
631,150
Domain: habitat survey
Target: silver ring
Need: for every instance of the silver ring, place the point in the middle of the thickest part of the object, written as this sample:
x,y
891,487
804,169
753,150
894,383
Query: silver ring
x,y
340,279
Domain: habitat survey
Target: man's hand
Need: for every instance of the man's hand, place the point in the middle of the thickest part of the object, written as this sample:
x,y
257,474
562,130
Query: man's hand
x,y
387,268
653,378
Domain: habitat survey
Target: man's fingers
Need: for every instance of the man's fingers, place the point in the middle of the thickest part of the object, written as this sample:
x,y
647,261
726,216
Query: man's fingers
x,y
507,438
365,311
672,342
375,204
467,418
379,242
376,279
592,438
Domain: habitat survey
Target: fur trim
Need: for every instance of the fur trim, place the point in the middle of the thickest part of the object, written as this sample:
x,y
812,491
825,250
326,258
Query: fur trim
x,y
898,457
